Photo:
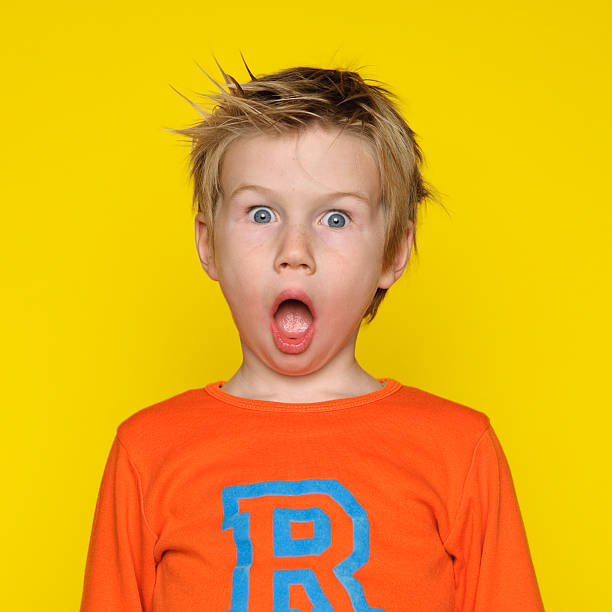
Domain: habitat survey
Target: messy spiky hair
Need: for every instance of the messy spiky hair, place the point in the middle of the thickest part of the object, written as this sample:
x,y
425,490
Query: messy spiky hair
x,y
293,99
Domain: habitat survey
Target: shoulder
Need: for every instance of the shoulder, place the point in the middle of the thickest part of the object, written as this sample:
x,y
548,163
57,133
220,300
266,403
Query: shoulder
x,y
447,434
442,412
450,425
155,428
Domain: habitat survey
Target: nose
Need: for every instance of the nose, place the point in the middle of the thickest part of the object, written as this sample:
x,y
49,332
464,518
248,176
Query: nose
x,y
295,250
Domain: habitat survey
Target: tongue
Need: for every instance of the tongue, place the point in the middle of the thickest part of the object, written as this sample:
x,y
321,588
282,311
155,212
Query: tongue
x,y
293,318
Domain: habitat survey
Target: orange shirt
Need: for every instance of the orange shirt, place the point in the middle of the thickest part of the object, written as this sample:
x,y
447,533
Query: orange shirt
x,y
396,500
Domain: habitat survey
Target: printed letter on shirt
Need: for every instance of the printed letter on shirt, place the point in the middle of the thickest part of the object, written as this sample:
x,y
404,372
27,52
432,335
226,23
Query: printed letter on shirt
x,y
298,543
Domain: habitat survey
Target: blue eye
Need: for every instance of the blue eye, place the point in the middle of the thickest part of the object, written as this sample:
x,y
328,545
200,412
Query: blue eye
x,y
337,218
262,215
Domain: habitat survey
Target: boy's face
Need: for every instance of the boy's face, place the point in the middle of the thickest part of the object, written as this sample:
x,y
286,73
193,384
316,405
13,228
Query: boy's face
x,y
281,224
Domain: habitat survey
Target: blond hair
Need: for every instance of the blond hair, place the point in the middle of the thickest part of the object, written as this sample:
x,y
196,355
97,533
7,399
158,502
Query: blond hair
x,y
295,98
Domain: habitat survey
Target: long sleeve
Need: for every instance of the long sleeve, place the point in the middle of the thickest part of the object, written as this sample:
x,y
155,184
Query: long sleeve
x,y
120,568
492,562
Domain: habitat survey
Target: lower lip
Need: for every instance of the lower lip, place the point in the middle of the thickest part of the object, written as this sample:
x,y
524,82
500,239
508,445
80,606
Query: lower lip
x,y
288,345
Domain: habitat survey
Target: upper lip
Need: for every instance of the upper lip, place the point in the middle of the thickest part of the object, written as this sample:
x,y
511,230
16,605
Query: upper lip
x,y
293,294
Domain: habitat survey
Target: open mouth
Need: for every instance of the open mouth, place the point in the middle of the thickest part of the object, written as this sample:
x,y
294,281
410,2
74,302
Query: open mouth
x,y
292,321
293,318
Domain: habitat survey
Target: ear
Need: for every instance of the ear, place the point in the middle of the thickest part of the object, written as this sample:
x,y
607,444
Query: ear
x,y
204,248
389,276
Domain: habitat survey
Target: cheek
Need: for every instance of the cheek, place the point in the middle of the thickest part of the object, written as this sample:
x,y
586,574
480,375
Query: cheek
x,y
356,262
351,284
240,251
242,270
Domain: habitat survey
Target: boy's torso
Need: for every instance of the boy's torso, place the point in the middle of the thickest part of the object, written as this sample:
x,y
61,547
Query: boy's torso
x,y
343,509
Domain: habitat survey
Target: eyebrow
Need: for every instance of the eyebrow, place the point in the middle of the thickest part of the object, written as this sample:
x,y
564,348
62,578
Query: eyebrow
x,y
330,195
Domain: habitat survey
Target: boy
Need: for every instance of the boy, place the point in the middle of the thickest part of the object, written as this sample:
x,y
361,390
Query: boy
x,y
303,482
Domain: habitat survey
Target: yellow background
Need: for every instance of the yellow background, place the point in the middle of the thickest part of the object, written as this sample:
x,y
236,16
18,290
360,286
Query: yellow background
x,y
105,309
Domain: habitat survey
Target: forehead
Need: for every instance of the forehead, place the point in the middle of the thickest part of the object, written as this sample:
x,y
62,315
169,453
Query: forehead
x,y
315,160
